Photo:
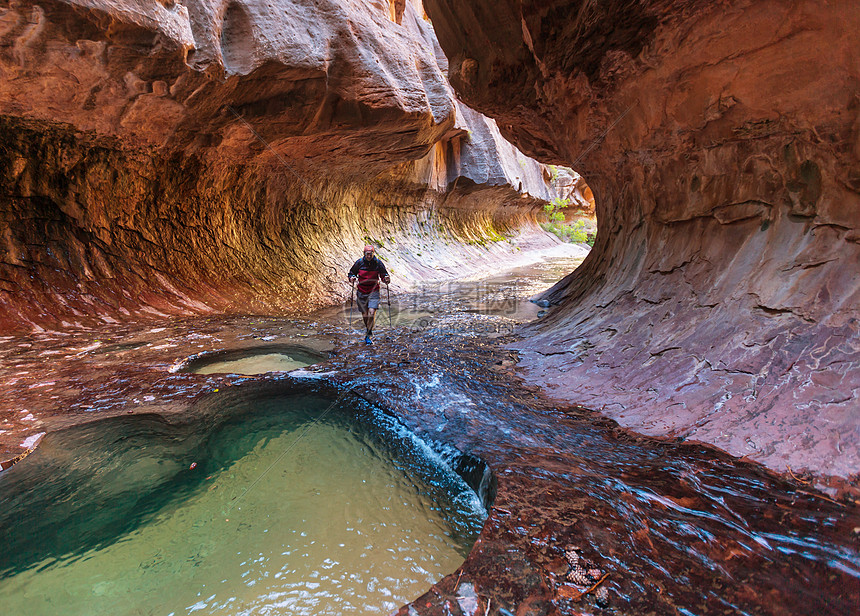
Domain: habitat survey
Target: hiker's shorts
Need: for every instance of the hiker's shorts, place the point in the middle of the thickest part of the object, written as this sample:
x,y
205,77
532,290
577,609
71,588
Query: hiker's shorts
x,y
367,301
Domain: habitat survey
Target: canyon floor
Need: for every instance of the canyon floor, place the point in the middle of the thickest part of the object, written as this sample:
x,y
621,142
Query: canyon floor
x,y
660,525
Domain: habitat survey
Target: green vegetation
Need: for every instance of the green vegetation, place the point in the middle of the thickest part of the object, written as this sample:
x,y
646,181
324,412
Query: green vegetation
x,y
575,232
495,236
554,210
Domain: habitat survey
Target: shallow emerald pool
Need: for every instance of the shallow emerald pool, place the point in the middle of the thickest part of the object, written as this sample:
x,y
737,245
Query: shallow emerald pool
x,y
295,505
256,364
257,360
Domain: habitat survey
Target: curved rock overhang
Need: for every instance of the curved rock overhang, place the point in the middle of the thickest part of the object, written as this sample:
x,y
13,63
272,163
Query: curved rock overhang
x,y
166,158
722,143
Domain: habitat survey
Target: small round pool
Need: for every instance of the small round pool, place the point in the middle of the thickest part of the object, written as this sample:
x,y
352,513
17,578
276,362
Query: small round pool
x,y
256,360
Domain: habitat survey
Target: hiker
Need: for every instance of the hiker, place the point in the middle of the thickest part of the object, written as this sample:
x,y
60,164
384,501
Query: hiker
x,y
368,270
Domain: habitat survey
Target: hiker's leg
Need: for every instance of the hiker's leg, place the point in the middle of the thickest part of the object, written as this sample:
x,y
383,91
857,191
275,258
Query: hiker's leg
x,y
368,321
372,306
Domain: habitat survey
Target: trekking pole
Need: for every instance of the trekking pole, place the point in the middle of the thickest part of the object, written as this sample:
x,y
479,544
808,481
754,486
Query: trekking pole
x,y
388,292
351,293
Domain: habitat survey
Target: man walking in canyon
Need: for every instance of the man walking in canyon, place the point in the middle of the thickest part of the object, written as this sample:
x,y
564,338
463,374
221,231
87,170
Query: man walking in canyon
x,y
368,270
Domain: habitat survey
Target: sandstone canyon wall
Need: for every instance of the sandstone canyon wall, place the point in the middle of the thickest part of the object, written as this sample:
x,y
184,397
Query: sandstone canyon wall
x,y
164,158
722,143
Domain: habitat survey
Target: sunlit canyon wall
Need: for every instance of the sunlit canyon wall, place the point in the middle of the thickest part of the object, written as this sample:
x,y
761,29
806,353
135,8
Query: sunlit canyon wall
x,y
168,158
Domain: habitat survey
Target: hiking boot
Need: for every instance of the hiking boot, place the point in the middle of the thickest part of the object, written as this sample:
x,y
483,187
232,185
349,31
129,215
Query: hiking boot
x,y
367,339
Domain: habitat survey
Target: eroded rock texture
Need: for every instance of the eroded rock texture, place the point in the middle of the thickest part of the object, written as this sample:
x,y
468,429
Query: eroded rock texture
x,y
172,158
722,143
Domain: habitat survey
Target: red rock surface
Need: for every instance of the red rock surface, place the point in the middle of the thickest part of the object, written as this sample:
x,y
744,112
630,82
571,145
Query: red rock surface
x,y
572,188
721,142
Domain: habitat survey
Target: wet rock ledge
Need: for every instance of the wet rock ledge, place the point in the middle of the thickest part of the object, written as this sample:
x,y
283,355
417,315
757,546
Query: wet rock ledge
x,y
581,504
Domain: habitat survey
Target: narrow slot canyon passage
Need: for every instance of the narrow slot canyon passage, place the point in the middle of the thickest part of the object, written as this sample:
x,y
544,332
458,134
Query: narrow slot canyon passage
x,y
615,369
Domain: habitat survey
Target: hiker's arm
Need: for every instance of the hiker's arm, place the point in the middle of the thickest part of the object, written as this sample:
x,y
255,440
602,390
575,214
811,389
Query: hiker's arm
x,y
353,272
383,273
